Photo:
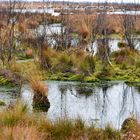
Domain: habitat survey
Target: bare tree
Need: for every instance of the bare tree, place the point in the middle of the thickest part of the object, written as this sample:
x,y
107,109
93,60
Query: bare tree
x,y
63,38
128,22
103,50
41,36
8,33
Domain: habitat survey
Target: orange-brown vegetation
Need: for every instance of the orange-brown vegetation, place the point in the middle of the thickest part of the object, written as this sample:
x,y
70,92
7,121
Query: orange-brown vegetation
x,y
82,23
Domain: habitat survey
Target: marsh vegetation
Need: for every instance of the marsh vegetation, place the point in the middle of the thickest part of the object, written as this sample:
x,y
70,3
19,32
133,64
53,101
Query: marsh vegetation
x,y
97,54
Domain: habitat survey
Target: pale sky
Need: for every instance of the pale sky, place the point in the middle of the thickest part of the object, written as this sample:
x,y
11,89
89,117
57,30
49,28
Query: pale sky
x,y
117,1
124,1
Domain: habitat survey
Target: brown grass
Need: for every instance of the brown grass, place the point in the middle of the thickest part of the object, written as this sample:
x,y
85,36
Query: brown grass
x,y
16,123
38,87
21,132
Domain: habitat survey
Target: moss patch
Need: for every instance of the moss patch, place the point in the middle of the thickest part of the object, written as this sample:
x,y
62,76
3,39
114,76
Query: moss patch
x,y
2,103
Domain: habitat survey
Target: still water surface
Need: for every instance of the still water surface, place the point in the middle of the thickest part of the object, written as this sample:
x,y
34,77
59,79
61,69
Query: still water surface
x,y
54,32
100,104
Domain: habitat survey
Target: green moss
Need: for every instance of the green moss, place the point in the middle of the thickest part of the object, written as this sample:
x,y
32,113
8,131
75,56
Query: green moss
x,y
128,75
4,81
2,103
74,34
125,66
91,78
75,77
115,36
111,36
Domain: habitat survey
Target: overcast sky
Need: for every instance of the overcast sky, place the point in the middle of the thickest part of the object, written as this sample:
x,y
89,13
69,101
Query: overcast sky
x,y
118,1
125,1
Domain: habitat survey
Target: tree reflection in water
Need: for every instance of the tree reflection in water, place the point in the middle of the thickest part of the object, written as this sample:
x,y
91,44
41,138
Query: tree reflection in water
x,y
63,90
84,90
105,103
129,103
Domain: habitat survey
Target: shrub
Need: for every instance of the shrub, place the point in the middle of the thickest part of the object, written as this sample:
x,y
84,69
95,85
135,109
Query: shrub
x,y
123,66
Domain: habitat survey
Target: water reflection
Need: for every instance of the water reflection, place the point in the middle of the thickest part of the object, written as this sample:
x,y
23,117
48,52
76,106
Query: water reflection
x,y
85,91
98,104
54,36
9,95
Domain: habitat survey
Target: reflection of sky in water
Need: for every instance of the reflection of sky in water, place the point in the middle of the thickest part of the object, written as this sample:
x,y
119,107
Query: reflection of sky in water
x,y
104,105
108,103
46,10
50,29
51,11
54,30
113,44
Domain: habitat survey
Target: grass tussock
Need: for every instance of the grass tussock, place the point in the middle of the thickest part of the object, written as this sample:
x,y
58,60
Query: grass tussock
x,y
37,86
13,114
33,75
77,65
70,62
40,99
21,132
